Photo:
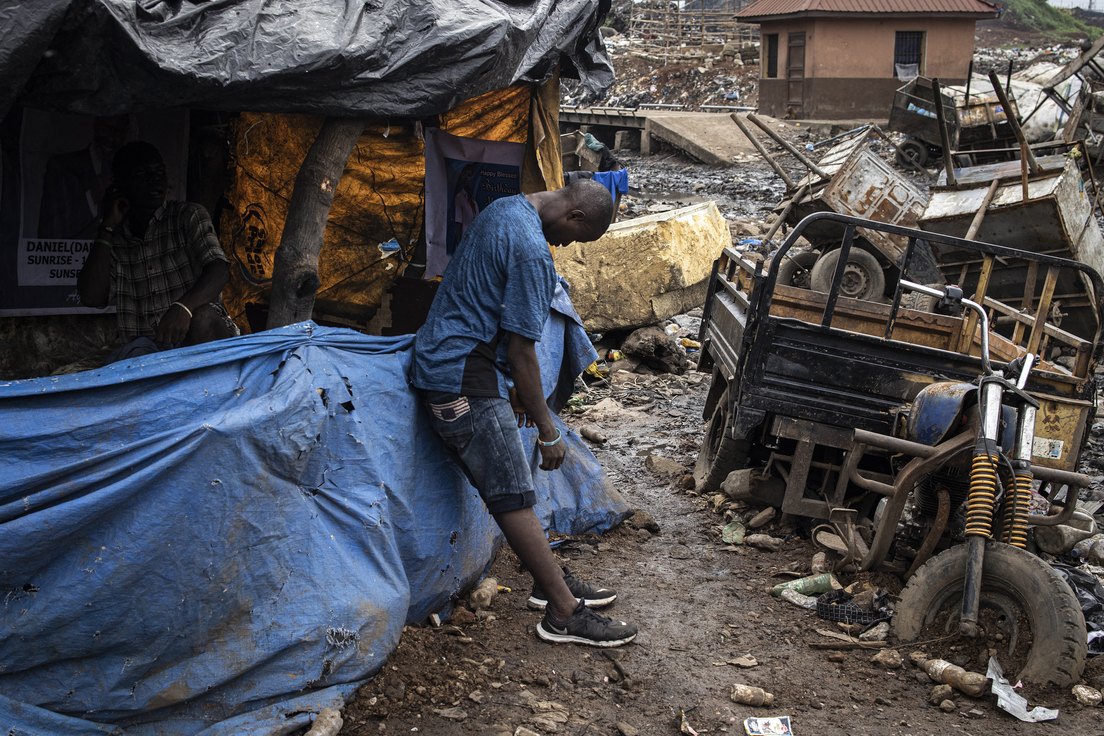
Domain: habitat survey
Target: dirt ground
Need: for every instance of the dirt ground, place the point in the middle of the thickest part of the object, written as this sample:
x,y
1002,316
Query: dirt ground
x,y
699,606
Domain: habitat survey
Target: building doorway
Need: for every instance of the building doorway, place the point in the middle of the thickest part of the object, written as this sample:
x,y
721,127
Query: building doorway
x,y
795,73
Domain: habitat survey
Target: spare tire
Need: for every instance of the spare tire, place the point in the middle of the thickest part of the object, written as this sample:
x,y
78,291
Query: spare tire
x,y
1015,583
863,277
796,270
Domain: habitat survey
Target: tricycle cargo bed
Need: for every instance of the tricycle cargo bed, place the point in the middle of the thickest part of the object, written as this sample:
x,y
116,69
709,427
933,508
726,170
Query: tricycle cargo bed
x,y
822,358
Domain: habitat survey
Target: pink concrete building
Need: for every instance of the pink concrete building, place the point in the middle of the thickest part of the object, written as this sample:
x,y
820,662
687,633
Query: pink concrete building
x,y
843,59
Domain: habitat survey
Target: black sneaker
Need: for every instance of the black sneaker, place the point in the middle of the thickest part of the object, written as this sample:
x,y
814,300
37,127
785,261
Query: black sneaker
x,y
593,597
586,627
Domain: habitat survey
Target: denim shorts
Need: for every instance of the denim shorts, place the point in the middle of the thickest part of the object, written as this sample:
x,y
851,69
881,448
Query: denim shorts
x,y
482,434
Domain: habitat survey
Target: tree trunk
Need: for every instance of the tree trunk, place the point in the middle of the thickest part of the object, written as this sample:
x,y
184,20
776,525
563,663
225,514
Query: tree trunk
x,y
295,266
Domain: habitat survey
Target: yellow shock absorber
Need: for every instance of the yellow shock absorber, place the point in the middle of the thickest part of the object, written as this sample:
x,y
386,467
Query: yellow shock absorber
x,y
983,496
1017,535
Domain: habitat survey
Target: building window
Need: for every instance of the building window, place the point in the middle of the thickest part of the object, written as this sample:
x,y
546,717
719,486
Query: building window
x,y
770,62
908,53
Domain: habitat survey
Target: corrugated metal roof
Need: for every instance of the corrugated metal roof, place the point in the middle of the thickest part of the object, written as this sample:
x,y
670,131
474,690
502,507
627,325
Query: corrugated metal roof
x,y
763,8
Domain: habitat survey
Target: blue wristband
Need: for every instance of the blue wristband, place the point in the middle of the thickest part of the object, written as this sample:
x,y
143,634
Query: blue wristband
x,y
549,444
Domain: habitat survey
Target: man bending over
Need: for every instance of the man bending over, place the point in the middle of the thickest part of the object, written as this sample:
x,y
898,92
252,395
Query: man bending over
x,y
498,288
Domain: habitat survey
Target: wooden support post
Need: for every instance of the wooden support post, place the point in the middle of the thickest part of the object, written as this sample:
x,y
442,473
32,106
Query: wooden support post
x,y
1043,311
944,136
763,151
1010,116
788,146
1028,299
295,265
966,338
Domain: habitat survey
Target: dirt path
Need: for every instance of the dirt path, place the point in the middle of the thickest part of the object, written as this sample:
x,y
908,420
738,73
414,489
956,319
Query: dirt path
x,y
698,607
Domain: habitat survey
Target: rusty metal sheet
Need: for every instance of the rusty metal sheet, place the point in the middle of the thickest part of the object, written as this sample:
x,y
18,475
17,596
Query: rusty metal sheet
x,y
868,187
1056,220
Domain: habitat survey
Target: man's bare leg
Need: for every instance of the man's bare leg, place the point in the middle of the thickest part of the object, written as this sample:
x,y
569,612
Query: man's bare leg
x,y
526,538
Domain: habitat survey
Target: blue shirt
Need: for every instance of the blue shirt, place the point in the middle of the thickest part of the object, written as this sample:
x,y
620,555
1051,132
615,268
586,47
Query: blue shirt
x,y
501,279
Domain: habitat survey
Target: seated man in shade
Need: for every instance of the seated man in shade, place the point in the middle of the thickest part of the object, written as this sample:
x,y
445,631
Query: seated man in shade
x,y
161,260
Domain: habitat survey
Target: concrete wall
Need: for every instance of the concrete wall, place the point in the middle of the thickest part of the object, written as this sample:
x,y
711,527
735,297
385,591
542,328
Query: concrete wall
x,y
849,63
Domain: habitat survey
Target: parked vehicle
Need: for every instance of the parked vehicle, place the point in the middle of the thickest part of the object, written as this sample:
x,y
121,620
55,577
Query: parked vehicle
x,y
909,435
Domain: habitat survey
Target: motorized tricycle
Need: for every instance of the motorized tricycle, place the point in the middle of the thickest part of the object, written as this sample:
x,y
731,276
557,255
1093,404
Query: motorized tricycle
x,y
917,436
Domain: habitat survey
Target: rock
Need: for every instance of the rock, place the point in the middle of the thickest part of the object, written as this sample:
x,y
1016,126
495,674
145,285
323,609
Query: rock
x,y
764,542
947,706
477,697
751,486
888,658
656,349
878,633
1088,696
940,693
644,271
687,483
545,724
394,688
763,517
746,661
975,713
864,599
923,679
453,714
582,677
641,519
522,730
461,617
663,466
836,657
626,729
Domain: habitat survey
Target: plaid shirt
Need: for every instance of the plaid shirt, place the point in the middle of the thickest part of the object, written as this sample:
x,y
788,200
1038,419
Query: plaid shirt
x,y
149,274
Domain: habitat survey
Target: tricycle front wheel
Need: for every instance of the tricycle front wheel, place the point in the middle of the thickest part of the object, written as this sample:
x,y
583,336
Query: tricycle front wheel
x,y
1017,587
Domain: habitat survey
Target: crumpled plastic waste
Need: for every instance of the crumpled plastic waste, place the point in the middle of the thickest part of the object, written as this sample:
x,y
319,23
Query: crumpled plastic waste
x,y
1090,594
1012,702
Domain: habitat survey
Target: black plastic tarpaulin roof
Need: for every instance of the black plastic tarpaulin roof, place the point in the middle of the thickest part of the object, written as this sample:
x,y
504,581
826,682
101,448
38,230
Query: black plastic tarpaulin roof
x,y
375,58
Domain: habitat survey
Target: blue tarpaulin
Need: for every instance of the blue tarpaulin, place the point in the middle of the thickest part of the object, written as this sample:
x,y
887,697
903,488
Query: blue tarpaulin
x,y
227,538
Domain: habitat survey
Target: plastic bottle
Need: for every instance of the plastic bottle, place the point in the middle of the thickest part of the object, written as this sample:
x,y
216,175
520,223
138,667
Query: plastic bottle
x,y
819,565
804,601
943,671
671,329
750,695
484,594
823,583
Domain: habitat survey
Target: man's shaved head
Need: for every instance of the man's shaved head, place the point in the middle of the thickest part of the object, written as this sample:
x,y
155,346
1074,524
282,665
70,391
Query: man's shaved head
x,y
593,199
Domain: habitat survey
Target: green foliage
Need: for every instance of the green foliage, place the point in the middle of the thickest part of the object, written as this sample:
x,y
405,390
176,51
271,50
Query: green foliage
x,y
1040,17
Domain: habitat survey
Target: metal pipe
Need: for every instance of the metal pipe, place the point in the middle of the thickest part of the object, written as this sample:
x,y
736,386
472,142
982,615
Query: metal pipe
x,y
842,135
763,151
944,136
969,78
971,589
795,200
789,147
975,224
1032,164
